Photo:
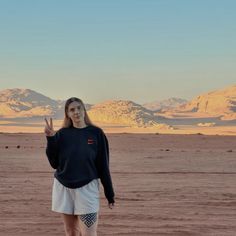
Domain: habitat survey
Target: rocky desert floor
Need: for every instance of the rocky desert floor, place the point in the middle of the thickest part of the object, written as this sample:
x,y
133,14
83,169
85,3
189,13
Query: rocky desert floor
x,y
165,184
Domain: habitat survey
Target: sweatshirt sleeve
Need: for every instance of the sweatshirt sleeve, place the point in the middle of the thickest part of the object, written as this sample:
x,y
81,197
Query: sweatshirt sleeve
x,y
103,167
52,150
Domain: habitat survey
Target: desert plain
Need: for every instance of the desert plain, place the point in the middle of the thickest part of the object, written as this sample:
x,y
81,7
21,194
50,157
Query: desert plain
x,y
165,185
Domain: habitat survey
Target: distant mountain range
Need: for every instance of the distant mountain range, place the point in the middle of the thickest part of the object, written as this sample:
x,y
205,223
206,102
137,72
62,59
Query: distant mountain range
x,y
220,103
20,103
165,104
25,103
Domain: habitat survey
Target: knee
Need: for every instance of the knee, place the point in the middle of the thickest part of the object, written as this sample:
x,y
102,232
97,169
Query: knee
x,y
89,232
72,231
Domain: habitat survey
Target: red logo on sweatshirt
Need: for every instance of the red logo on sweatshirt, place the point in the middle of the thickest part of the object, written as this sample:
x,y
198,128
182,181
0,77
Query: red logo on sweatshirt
x,y
90,141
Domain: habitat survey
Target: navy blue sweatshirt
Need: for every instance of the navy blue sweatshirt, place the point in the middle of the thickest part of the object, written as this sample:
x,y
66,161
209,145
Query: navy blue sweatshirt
x,y
80,155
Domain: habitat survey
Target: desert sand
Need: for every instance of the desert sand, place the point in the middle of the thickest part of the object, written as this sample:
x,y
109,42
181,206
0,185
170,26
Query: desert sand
x,y
165,184
178,126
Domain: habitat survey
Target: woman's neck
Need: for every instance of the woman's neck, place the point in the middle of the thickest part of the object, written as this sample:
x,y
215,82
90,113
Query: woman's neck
x,y
79,125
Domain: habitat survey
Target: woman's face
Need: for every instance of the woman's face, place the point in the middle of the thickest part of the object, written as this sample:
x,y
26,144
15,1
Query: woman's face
x,y
76,112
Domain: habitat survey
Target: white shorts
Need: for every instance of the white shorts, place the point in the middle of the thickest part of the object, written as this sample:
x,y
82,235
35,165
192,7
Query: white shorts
x,y
76,201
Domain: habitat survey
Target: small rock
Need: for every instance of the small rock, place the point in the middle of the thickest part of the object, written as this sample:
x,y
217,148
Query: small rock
x,y
199,134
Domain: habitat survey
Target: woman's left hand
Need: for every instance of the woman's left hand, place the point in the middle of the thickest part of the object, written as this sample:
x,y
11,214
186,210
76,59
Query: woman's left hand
x,y
111,205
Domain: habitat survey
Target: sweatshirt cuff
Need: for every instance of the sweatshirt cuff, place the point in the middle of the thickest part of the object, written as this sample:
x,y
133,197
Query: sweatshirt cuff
x,y
111,200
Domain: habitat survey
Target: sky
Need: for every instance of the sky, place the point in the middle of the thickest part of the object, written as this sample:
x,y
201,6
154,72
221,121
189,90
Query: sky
x,y
139,50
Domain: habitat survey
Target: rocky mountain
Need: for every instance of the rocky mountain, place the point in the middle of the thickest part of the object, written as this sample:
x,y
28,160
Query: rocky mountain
x,y
164,104
220,103
26,103
125,113
17,102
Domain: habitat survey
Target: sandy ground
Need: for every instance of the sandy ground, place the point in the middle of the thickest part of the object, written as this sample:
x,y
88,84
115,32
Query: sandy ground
x,y
179,129
165,184
179,126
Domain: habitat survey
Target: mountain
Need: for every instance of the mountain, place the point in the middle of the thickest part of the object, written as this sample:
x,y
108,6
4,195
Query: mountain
x,y
25,103
219,103
164,104
28,104
125,113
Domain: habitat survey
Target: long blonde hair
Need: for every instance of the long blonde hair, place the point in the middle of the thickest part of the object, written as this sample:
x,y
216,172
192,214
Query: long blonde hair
x,y
67,121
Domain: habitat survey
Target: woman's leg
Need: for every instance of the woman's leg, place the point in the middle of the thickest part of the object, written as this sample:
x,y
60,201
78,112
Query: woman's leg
x,y
71,225
88,224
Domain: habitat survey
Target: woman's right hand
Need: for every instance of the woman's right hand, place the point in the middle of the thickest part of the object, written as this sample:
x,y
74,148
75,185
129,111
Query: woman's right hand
x,y
48,130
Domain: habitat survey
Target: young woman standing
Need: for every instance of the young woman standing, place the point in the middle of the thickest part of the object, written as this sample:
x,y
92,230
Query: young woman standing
x,y
79,152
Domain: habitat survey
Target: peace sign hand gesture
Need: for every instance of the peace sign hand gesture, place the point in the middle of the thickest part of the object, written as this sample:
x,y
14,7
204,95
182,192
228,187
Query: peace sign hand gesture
x,y
48,130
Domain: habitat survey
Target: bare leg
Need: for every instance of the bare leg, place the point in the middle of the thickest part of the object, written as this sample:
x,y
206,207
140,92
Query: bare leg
x,y
71,225
88,224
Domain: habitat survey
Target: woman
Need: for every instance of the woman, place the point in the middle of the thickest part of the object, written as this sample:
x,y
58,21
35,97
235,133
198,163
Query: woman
x,y
79,152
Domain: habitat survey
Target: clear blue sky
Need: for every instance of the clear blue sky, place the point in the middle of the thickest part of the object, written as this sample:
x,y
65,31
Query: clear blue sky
x,y
140,50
